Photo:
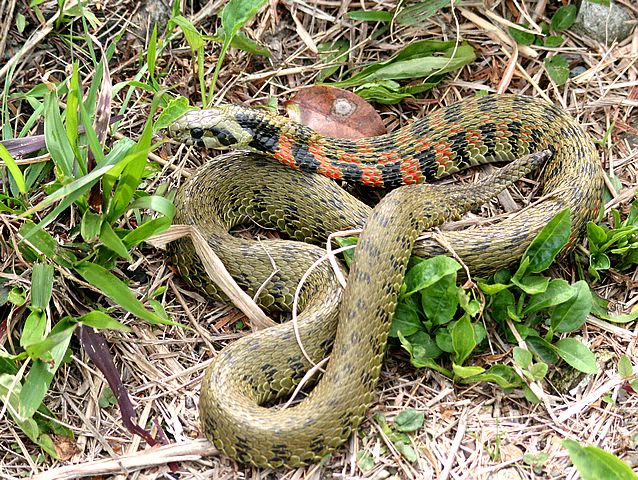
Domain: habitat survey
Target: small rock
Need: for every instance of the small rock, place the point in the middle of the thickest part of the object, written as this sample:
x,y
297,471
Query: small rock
x,y
604,24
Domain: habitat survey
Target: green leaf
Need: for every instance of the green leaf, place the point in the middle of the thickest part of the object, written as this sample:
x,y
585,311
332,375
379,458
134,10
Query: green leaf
x,y
102,321
13,168
532,284
492,288
576,354
37,381
116,290
237,13
548,243
34,328
466,372
151,54
41,285
522,357
427,272
176,108
370,15
594,463
194,39
440,300
463,339
625,368
409,420
406,451
541,347
557,69
538,371
553,41
521,37
110,239
406,321
332,52
571,315
558,291
503,375
416,60
564,18
90,225
55,136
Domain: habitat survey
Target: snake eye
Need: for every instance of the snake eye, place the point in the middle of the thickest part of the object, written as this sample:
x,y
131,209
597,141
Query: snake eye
x,y
197,133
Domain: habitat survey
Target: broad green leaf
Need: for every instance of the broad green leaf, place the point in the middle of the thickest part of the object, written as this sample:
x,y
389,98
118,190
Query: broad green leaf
x,y
41,285
102,321
564,17
428,272
558,291
237,13
557,68
522,37
175,109
332,52
409,420
625,368
532,284
90,225
37,381
596,236
501,302
241,41
522,357
34,328
492,288
194,39
571,315
503,375
467,372
424,346
440,301
114,243
576,354
463,339
406,321
542,348
538,371
116,290
548,243
553,41
13,168
594,463
416,60
55,137
406,451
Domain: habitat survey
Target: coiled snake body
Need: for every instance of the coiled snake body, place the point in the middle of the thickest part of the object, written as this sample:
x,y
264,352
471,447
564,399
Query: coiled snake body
x,y
238,188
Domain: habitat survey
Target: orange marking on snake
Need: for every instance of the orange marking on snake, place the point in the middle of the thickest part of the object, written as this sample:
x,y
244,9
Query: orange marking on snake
x,y
284,154
371,176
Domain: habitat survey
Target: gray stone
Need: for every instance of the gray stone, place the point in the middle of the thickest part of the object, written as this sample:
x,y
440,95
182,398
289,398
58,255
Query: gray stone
x,y
604,24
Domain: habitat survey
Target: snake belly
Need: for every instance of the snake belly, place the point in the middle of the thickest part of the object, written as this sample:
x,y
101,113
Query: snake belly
x,y
248,187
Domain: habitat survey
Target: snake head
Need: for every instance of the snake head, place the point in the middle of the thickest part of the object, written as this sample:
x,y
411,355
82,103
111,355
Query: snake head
x,y
212,128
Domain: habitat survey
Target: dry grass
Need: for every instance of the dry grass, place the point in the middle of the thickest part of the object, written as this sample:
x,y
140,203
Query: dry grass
x,y
471,432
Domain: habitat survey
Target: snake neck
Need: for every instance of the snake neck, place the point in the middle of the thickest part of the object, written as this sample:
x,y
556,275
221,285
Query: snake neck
x,y
480,130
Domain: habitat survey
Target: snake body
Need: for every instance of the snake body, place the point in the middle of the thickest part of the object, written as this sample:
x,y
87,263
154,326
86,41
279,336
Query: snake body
x,y
240,188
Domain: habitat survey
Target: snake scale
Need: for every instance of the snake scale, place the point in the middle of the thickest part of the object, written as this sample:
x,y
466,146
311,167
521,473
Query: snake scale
x,y
241,187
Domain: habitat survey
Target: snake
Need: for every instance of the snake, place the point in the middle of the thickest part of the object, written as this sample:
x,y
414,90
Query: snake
x,y
281,175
